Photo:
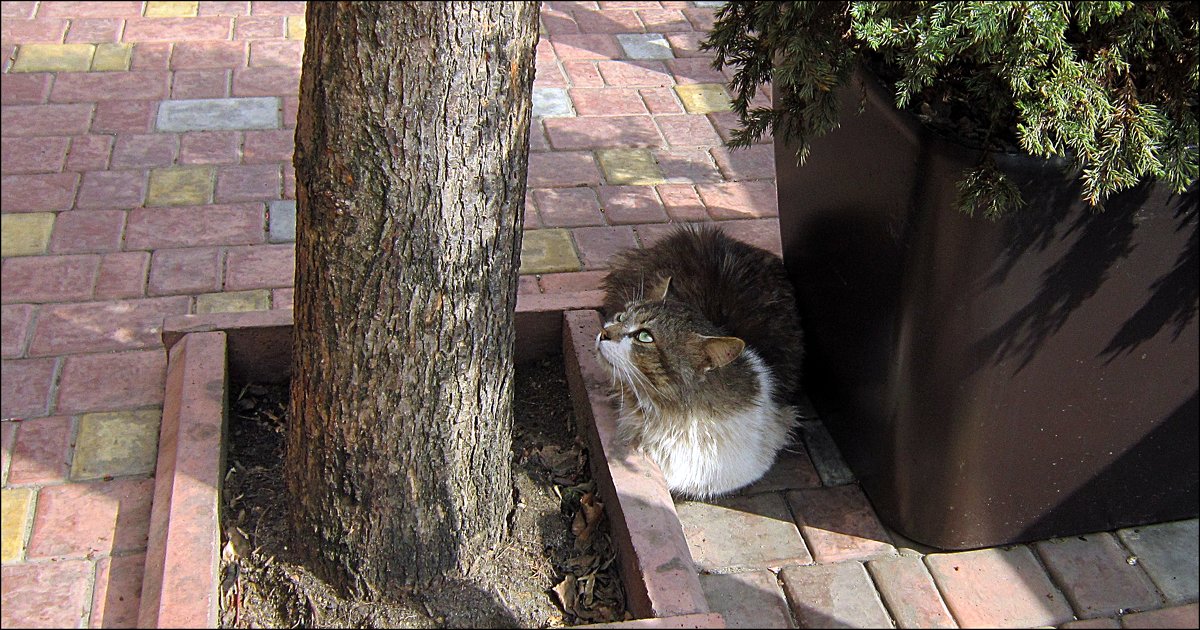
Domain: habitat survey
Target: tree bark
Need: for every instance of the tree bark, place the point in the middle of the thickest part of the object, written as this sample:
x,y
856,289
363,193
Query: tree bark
x,y
411,151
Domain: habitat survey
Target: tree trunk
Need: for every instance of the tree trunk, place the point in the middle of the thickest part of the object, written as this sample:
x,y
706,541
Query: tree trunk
x,y
411,149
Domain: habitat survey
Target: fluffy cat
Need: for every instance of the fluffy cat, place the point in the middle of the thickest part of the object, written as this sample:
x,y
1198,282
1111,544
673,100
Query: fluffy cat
x,y
704,346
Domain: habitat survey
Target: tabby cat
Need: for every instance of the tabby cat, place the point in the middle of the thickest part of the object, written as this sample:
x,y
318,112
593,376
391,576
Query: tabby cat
x,y
704,346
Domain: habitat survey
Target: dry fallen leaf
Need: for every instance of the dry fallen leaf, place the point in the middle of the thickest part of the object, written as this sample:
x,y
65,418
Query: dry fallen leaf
x,y
565,590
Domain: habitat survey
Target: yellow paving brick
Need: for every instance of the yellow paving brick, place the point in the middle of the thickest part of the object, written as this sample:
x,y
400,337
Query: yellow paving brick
x,y
547,251
171,9
112,57
14,521
629,166
703,98
187,186
25,234
234,301
54,58
295,27
116,443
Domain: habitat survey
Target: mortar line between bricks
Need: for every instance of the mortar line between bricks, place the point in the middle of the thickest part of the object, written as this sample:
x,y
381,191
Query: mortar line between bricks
x,y
74,433
1062,592
55,381
938,587
778,575
28,340
882,600
89,599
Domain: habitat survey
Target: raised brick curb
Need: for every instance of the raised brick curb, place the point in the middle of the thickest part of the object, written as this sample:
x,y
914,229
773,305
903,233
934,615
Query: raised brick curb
x,y
657,569
699,620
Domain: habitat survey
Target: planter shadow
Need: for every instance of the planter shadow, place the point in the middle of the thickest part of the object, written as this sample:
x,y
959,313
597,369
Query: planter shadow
x,y
180,586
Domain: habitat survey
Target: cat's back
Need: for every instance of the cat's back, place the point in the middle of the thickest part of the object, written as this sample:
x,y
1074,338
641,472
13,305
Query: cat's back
x,y
742,289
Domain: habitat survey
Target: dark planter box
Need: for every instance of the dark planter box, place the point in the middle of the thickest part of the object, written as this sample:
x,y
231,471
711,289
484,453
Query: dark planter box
x,y
992,382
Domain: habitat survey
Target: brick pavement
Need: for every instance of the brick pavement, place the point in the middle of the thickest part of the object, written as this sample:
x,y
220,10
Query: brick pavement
x,y
147,172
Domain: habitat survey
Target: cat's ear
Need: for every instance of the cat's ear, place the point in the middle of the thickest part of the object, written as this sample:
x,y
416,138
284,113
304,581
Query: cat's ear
x,y
720,351
659,290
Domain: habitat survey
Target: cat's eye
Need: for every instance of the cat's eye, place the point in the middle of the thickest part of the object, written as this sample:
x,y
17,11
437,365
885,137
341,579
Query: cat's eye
x,y
644,336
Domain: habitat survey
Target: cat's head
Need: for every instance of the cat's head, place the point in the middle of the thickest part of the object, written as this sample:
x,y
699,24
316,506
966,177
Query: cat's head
x,y
663,351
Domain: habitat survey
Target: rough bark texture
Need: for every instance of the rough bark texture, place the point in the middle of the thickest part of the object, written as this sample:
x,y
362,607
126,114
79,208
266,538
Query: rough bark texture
x,y
411,147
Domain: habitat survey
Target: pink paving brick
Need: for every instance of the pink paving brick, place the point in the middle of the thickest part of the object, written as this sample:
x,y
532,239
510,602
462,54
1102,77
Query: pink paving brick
x,y
687,165
685,45
193,84
145,150
572,282
543,52
116,8
112,189
740,200
528,284
1082,624
225,8
575,47
839,524
558,22
84,87
8,433
909,592
612,21
48,278
106,382
233,224
762,233
664,20
548,75
602,131
41,452
24,89
23,10
701,18
660,100
46,595
838,595
537,137
792,468
624,205
998,588
583,74
694,70
209,147
1095,576
177,29
291,106
597,244
90,231
260,182
1175,617
560,169
81,518
753,162
103,326
725,122
190,270
124,116
89,153
25,384
38,192
263,266
46,120
687,131
208,55
742,533
15,329
122,275
252,27
651,233
277,8
33,154
35,31
635,73
285,52
607,101
747,600
269,146
681,202
568,207
94,30
282,298
289,182
117,593
151,56
269,81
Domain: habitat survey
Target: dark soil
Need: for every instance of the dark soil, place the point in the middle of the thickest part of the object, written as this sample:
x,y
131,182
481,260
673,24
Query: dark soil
x,y
557,568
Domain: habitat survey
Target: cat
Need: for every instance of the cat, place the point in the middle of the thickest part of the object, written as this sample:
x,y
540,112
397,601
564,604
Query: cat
x,y
704,346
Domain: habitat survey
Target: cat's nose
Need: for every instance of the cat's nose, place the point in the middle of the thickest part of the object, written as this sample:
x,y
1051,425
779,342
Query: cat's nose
x,y
612,331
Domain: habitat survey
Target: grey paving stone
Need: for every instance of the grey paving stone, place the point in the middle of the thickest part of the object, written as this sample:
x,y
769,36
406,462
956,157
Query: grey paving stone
x,y
834,596
550,102
825,454
747,600
211,114
645,46
283,221
742,533
711,5
1168,553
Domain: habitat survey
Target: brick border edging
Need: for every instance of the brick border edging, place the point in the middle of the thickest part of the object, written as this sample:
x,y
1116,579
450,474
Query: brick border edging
x,y
657,568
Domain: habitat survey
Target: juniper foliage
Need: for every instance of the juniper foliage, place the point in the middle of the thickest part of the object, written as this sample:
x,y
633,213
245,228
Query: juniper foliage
x,y
1109,86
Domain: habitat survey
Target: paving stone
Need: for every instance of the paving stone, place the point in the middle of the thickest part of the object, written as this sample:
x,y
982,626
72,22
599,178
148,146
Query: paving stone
x,y
266,81
681,202
151,56
208,55
839,524
37,30
572,282
232,224
24,89
17,514
91,231
197,84
38,192
112,57
607,21
78,519
1095,576
645,46
825,454
260,267
703,98
295,27
53,58
687,44
580,74
562,169
568,207
41,451
116,596
761,233
747,600
834,596
53,119
269,147
629,166
605,131
741,533
665,20
112,189
710,5
89,153
1100,623
551,102
753,162
544,251
46,595
49,278
740,200
1175,617
8,434
792,470
33,154
909,592
660,101
116,444
283,298
216,114
282,221
574,47
625,205
998,588
1168,553
687,131
209,147
258,182
86,87
635,73
25,387
259,27
171,9
598,244
17,319
94,31
176,29
122,275
25,234
607,101
701,18
234,301
144,150
180,186
687,165
103,326
124,117
104,382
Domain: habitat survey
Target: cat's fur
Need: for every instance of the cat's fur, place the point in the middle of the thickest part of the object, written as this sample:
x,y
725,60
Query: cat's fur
x,y
708,397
